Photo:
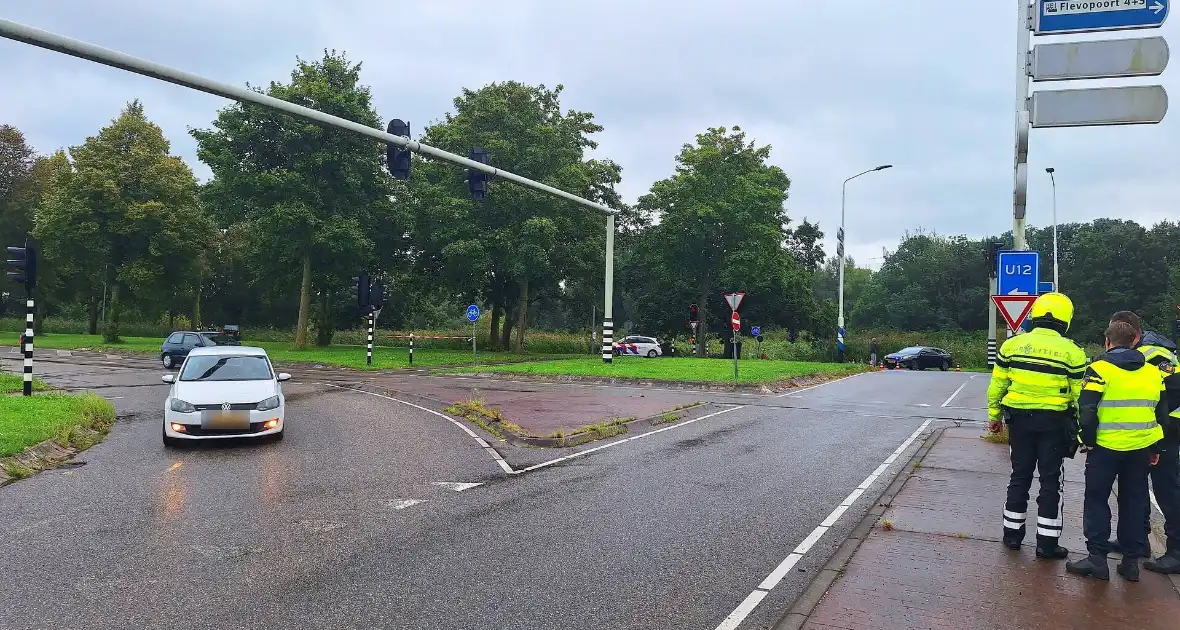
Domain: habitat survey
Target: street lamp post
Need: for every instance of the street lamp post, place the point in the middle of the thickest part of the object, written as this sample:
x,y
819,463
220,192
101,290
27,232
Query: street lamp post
x,y
840,254
1056,279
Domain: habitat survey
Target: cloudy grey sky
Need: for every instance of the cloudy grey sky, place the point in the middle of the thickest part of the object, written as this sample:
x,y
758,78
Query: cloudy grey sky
x,y
835,87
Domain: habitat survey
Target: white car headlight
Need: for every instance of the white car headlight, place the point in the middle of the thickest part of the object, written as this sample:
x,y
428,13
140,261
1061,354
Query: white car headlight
x,y
181,406
269,403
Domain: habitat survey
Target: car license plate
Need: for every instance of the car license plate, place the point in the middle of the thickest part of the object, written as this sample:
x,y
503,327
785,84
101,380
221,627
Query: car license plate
x,y
218,419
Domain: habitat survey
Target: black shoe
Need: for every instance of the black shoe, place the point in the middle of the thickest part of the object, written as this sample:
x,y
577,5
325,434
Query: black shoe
x,y
1012,544
1056,552
1129,569
1167,563
1092,565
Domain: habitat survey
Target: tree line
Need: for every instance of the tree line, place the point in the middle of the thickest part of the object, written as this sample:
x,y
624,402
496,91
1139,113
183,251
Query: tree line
x,y
295,210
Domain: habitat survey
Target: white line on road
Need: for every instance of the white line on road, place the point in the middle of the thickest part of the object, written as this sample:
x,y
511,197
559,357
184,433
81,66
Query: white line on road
x,y
636,437
800,391
483,443
752,600
402,504
457,486
952,397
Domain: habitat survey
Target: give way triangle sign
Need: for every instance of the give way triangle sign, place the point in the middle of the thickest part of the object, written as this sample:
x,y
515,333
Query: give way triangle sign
x,y
1014,308
734,299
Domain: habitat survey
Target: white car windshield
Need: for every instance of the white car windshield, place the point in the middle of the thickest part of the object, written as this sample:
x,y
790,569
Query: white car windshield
x,y
226,368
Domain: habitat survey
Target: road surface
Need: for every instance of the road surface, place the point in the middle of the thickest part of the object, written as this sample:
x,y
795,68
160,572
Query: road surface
x,y
367,516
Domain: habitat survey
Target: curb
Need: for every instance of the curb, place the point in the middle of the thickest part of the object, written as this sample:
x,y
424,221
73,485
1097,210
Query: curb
x,y
805,604
776,387
590,436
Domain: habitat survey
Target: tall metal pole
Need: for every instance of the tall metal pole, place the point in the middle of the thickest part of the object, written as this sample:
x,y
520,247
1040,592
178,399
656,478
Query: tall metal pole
x,y
107,57
841,254
28,346
1056,278
608,310
1020,163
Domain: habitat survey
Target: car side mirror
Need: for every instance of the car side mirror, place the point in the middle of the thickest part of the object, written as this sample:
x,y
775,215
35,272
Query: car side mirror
x,y
283,376
168,378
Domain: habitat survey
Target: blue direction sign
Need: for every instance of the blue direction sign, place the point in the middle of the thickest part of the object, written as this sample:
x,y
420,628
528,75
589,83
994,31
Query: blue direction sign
x,y
1056,17
472,313
1045,287
1018,272
755,330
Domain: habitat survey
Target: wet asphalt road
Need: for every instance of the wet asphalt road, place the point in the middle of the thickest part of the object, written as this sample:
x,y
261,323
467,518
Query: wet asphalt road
x,y
344,525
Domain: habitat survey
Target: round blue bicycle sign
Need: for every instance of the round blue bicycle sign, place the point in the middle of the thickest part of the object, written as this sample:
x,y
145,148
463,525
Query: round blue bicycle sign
x,y
472,313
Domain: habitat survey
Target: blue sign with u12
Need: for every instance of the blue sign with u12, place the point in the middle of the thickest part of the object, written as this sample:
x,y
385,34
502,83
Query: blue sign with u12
x,y
1018,272
472,313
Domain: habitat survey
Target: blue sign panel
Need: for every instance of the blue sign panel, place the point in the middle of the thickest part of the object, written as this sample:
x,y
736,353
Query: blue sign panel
x,y
1055,17
1018,272
472,313
1045,287
755,330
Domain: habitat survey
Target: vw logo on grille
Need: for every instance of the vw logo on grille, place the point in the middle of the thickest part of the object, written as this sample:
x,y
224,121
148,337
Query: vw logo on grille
x,y
225,406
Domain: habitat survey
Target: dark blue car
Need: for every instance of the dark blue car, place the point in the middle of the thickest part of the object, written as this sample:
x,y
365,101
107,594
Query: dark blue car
x,y
177,346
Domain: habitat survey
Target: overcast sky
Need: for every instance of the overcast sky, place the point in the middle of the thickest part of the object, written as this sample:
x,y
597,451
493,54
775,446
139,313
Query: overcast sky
x,y
834,87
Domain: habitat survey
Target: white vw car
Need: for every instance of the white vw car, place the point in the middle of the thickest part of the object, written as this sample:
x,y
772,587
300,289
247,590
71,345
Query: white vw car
x,y
224,392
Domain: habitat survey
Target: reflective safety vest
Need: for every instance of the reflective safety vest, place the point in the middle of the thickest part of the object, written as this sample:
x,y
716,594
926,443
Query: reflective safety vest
x,y
1126,412
1165,360
1036,371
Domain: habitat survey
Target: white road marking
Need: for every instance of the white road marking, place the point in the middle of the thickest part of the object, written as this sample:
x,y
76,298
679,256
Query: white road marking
x,y
457,486
402,504
800,391
494,380
952,396
635,437
772,580
483,443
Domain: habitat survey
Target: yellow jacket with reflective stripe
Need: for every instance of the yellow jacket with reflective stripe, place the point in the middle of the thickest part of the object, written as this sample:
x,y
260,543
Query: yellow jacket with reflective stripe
x,y
1039,370
1121,403
1167,363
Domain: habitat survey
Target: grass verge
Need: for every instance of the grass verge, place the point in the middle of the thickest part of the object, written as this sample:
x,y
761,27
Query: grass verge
x,y
11,383
691,370
73,421
493,421
384,357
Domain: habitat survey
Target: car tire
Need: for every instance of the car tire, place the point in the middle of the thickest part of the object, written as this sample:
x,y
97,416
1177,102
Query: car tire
x,y
651,354
911,365
946,365
168,361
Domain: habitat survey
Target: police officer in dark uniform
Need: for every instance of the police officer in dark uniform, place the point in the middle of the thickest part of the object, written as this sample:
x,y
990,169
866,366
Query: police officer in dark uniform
x,y
1035,386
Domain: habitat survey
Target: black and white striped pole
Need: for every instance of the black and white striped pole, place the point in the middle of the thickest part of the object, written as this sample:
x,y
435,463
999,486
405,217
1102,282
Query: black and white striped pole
x,y
608,324
22,268
28,386
369,339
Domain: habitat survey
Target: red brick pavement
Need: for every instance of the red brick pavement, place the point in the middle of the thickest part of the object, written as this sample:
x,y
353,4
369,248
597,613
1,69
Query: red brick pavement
x,y
941,566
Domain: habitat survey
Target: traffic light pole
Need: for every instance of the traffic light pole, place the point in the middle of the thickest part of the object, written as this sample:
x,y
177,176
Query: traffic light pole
x,y
107,57
369,341
28,347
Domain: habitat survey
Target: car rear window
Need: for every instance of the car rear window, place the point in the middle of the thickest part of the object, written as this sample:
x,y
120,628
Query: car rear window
x,y
226,368
219,340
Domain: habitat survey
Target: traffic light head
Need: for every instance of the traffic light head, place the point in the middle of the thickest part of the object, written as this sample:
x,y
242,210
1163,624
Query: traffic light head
x,y
693,314
398,158
477,181
363,286
377,295
22,266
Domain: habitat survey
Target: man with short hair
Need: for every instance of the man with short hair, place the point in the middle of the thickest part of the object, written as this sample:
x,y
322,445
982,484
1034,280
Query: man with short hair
x,y
873,352
1123,410
1165,475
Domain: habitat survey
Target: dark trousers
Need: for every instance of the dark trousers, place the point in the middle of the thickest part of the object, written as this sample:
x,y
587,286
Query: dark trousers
x,y
1037,445
1165,483
1103,466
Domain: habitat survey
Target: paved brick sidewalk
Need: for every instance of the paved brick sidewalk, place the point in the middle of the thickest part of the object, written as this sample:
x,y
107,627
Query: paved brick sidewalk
x,y
941,565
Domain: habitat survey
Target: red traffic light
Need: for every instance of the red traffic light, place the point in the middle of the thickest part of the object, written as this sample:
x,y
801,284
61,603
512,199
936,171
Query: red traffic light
x,y
693,315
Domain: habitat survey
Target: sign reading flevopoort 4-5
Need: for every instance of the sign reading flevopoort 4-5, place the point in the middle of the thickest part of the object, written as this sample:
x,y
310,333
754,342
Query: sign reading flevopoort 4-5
x,y
1056,17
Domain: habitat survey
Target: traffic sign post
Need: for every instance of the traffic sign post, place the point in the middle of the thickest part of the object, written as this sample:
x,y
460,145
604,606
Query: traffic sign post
x,y
1018,272
1059,17
736,321
1014,308
473,316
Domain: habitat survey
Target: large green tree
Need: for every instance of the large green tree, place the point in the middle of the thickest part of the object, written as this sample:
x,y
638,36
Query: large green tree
x,y
518,245
315,197
124,207
722,226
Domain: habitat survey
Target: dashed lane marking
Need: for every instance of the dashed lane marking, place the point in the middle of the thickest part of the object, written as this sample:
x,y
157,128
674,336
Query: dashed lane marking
x,y
456,485
402,504
482,443
956,393
752,600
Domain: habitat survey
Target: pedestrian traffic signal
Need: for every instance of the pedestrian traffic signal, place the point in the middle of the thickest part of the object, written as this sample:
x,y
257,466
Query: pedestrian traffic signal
x,y
363,286
477,180
22,266
398,157
693,314
377,295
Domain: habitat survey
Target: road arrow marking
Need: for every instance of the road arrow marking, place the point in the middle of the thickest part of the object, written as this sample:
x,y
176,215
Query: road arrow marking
x,y
402,504
456,486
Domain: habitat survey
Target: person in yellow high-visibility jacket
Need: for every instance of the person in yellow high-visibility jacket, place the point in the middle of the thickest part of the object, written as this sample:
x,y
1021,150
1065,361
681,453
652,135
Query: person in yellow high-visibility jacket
x,y
1034,387
1124,410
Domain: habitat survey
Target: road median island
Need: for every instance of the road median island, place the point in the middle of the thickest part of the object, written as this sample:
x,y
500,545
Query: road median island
x,y
915,556
688,373
492,420
41,431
